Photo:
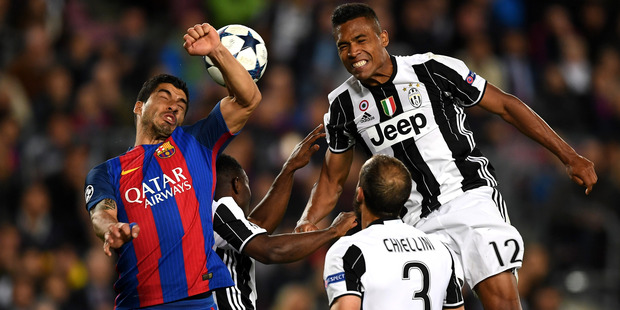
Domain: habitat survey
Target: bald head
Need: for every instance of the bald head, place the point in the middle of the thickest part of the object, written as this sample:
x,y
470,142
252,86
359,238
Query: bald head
x,y
386,184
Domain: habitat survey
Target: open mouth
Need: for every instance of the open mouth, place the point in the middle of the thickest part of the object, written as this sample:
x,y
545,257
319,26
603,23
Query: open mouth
x,y
170,118
359,64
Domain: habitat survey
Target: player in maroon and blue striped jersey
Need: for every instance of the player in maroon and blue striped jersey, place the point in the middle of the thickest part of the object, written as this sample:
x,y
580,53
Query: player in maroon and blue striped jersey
x,y
152,204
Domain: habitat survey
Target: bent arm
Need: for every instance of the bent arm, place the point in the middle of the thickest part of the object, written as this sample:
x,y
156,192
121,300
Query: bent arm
x,y
286,248
244,95
327,190
103,215
517,113
107,227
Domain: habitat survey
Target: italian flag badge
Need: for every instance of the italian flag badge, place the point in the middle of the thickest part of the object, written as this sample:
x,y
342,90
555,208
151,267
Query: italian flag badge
x,y
389,106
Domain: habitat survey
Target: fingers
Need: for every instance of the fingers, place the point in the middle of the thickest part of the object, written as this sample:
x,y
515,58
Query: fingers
x,y
198,31
106,245
106,249
135,230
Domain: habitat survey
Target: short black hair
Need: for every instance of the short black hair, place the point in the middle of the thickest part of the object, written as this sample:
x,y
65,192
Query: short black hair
x,y
227,168
386,184
151,84
349,11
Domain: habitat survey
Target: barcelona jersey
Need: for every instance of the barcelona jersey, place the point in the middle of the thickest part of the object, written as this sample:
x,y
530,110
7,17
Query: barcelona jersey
x,y
167,189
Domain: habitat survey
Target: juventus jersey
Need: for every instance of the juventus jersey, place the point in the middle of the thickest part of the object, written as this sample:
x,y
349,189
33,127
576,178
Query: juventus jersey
x,y
418,117
232,231
392,265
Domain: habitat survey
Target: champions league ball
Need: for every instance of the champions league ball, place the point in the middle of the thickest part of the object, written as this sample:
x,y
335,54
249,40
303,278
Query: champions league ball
x,y
247,46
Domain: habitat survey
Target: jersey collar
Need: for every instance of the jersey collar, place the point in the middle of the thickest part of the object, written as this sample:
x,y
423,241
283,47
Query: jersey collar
x,y
382,221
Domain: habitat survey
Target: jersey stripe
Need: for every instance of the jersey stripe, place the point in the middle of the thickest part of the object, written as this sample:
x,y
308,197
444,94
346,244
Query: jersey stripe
x,y
147,267
193,258
236,297
354,267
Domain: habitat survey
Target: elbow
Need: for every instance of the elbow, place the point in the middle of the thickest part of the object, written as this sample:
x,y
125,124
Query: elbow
x,y
255,99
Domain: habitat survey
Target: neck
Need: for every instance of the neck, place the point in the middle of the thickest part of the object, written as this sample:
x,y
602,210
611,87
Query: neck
x,y
145,136
383,74
367,216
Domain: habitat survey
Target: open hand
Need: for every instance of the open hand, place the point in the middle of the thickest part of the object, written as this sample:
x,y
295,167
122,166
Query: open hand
x,y
304,150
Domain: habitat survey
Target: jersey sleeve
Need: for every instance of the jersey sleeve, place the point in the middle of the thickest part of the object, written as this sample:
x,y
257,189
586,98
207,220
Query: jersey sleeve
x,y
454,291
211,131
98,186
344,267
454,77
231,228
337,120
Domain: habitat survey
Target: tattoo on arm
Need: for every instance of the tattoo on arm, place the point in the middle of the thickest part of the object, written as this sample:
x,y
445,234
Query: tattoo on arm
x,y
106,204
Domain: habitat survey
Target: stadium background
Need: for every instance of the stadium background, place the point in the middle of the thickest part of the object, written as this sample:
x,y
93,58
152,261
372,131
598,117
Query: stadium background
x,y
70,71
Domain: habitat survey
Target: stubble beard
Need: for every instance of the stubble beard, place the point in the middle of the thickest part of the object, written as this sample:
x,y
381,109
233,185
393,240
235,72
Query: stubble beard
x,y
157,132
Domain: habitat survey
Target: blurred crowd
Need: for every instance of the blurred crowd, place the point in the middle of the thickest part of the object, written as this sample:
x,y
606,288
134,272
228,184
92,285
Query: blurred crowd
x,y
70,71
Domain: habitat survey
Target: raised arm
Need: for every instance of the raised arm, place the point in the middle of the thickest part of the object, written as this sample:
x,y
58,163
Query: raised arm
x,y
517,113
244,96
269,212
286,248
327,190
106,226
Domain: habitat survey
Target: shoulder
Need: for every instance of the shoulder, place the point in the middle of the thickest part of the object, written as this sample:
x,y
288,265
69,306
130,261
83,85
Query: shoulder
x,y
101,170
351,84
229,204
340,246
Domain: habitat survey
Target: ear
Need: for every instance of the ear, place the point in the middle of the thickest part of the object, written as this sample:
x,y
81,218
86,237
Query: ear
x,y
359,195
385,38
236,185
137,108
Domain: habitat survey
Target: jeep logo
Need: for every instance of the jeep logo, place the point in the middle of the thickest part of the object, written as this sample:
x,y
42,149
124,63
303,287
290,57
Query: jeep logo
x,y
400,126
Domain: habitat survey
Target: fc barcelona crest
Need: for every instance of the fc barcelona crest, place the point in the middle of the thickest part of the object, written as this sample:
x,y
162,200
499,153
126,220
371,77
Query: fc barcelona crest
x,y
389,106
165,150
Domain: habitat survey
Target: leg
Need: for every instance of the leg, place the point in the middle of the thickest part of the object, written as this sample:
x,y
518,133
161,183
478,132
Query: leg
x,y
499,292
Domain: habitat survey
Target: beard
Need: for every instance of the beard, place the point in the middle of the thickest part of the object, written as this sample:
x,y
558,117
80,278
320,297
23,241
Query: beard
x,y
357,210
161,131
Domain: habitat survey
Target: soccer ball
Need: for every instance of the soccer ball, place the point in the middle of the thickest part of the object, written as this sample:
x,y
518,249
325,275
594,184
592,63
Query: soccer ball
x,y
247,46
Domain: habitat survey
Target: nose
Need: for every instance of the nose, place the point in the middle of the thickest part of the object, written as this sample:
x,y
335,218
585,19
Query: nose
x,y
354,50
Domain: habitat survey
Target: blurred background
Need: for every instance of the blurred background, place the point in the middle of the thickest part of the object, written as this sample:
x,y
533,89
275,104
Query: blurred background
x,y
70,71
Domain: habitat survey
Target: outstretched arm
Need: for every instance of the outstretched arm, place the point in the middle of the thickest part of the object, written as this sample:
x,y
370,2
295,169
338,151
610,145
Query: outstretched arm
x,y
327,190
269,212
517,113
113,233
244,96
286,248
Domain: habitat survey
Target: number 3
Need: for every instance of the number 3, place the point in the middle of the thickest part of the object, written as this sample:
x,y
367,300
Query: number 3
x,y
423,293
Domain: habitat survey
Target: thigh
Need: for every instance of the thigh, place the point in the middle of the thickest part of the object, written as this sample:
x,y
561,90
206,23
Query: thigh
x,y
475,226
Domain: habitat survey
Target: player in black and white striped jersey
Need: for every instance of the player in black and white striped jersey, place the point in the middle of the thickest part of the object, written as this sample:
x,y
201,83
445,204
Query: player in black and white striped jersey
x,y
242,236
412,108
389,264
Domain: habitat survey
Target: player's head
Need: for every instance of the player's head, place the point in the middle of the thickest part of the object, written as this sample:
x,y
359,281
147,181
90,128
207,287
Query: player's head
x,y
360,41
161,105
232,181
386,185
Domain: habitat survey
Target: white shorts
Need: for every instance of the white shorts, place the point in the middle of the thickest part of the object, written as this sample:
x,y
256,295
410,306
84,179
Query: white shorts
x,y
476,226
